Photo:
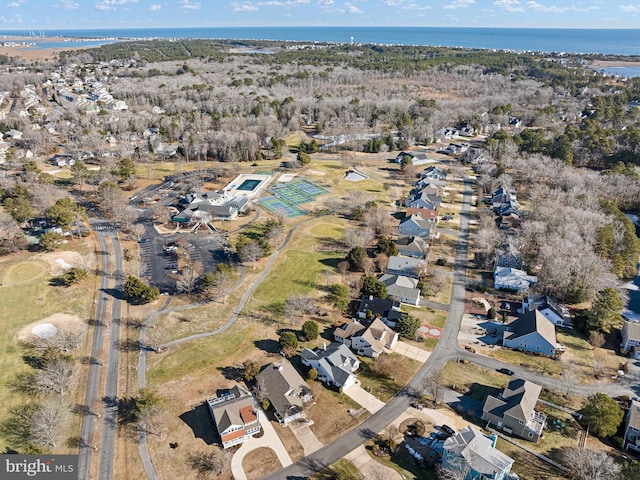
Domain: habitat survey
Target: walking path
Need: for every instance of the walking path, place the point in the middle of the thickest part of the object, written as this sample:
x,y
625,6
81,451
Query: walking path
x,y
364,398
269,439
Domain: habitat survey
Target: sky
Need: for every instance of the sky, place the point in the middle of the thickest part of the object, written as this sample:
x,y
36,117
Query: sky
x,y
92,14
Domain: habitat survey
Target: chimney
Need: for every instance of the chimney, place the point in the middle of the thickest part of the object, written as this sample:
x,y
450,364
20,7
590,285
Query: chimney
x,y
324,346
370,297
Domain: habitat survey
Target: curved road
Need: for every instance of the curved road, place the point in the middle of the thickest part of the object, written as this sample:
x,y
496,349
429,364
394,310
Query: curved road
x,y
446,349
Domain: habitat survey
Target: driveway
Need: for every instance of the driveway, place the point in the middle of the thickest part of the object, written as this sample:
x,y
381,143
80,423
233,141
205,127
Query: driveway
x,y
414,353
303,433
270,440
364,398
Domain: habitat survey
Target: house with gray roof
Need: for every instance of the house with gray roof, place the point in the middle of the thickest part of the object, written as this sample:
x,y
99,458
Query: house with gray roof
x,y
368,338
407,266
235,415
513,279
215,205
335,364
632,427
435,172
513,410
631,339
415,226
531,332
471,451
416,247
557,314
401,287
285,389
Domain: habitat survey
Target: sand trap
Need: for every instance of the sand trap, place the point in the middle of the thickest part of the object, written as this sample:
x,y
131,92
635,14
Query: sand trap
x,y
316,172
45,330
63,264
52,324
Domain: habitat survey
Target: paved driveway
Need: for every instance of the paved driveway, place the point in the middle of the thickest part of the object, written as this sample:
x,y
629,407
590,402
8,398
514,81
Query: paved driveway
x,y
270,439
365,399
412,352
306,437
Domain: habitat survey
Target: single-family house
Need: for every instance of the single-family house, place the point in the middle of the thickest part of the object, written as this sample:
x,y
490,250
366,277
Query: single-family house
x,y
467,131
424,213
414,158
471,451
61,160
632,427
402,288
432,183
415,226
235,416
407,266
509,257
456,148
531,332
513,410
503,196
423,199
385,309
335,364
631,339
13,134
285,389
552,310
513,279
433,172
366,337
416,247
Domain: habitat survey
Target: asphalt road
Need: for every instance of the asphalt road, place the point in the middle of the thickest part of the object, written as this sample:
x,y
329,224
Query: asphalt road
x,y
89,417
445,350
107,444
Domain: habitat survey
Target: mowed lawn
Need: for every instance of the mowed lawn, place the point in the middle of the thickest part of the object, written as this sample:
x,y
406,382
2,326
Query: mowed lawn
x,y
299,268
26,296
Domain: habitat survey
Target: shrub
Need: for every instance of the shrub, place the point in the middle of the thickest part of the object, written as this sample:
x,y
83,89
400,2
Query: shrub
x,y
310,330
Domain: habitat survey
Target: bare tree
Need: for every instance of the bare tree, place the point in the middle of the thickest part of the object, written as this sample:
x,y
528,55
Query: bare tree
x,y
137,231
188,278
587,464
435,281
459,471
368,265
251,252
56,376
48,422
210,463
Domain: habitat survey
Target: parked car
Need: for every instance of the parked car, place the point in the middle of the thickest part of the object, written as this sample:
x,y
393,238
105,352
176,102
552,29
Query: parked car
x,y
506,371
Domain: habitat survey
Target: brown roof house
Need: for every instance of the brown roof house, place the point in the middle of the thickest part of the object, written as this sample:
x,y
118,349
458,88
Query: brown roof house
x,y
285,389
514,410
235,415
366,338
632,427
531,332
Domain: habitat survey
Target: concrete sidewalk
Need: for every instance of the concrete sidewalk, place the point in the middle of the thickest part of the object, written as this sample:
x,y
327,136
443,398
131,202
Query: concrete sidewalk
x,y
365,399
367,465
270,439
412,352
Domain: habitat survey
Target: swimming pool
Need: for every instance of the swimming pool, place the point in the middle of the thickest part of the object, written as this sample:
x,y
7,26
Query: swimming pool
x,y
249,185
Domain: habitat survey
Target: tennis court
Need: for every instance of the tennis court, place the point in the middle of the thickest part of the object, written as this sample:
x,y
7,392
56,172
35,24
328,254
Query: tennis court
x,y
287,196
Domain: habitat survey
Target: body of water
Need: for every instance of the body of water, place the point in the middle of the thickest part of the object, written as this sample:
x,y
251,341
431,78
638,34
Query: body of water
x,y
604,41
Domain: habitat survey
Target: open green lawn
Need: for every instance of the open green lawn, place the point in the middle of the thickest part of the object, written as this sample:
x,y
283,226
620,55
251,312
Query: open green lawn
x,y
532,362
480,381
26,296
528,466
399,371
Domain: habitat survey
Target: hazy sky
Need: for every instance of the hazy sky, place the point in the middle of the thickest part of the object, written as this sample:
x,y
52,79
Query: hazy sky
x,y
42,14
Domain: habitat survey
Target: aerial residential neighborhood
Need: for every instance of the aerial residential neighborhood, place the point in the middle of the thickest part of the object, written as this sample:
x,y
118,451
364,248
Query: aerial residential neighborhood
x,y
237,265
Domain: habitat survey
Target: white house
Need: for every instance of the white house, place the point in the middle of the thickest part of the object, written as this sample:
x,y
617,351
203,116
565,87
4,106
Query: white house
x,y
631,339
505,278
368,340
335,364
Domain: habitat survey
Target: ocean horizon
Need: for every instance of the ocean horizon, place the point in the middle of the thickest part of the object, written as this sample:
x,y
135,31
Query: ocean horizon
x,y
625,42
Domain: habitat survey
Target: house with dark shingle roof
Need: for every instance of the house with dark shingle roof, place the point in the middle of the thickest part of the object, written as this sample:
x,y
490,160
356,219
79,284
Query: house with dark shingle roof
x,y
368,338
531,332
632,427
285,389
471,451
385,309
513,410
235,415
335,364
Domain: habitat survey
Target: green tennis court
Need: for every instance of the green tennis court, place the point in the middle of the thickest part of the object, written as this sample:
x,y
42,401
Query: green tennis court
x,y
287,196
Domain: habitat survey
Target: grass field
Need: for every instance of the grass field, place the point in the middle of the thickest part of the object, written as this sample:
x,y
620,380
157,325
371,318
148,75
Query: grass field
x,y
528,466
401,370
532,362
480,381
26,296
